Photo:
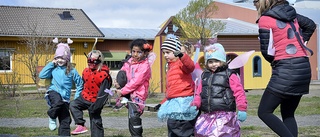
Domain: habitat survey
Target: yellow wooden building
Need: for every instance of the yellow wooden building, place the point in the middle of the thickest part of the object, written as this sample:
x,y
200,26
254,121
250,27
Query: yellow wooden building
x,y
254,75
18,26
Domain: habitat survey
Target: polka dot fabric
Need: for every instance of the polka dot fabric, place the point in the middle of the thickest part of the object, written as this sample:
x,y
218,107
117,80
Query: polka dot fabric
x,y
92,82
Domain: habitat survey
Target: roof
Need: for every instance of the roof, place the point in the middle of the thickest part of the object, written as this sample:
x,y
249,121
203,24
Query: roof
x,y
129,33
47,22
238,27
308,8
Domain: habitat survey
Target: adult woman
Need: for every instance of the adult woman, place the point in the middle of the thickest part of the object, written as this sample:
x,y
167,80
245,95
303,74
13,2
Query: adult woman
x,y
291,71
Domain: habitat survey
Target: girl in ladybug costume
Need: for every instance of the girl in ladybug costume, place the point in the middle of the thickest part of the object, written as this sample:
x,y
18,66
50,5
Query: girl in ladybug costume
x,y
93,97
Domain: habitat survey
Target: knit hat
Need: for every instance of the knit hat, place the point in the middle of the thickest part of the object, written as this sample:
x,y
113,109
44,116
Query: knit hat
x,y
171,43
63,51
215,51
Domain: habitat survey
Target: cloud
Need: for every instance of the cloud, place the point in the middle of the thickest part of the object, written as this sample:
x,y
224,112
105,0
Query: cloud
x,y
115,13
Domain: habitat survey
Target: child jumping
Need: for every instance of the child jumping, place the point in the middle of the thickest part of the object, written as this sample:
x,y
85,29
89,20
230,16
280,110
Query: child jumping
x,y
138,73
97,82
62,76
176,108
221,96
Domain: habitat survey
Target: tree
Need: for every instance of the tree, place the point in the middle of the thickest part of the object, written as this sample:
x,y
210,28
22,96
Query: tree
x,y
196,22
38,48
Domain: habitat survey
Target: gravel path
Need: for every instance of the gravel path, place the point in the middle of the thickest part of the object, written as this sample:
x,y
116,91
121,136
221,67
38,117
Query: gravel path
x,y
122,122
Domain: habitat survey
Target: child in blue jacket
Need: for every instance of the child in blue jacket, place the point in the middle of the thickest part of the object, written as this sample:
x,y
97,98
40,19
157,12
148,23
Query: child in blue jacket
x,y
62,76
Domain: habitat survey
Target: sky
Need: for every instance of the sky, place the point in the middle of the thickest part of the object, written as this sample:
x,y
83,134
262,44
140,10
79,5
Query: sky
x,y
146,14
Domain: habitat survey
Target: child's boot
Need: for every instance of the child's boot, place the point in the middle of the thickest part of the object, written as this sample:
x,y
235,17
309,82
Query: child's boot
x,y
52,124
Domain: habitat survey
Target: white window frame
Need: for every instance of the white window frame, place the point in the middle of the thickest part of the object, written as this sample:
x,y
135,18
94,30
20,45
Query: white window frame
x,y
10,50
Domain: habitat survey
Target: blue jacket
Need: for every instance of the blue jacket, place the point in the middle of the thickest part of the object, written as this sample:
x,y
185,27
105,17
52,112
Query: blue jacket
x,y
60,82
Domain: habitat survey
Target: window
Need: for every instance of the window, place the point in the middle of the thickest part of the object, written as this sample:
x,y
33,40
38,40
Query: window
x,y
5,60
114,65
257,66
114,59
72,52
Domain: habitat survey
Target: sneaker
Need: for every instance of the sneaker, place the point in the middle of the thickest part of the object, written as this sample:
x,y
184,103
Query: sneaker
x,y
79,130
52,124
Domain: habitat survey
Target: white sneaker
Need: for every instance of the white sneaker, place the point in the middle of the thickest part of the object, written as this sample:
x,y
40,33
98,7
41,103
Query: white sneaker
x,y
52,124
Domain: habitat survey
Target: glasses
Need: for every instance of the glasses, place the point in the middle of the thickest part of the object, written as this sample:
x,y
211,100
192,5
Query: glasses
x,y
255,1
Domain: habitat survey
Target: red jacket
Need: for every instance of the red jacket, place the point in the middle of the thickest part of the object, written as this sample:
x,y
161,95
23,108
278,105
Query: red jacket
x,y
179,79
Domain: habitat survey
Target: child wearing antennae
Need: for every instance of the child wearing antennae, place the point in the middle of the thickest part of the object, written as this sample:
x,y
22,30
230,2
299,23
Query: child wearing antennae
x,y
97,84
62,76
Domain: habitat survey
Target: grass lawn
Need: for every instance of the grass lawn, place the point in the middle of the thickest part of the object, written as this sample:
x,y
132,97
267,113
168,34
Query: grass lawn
x,y
155,132
33,105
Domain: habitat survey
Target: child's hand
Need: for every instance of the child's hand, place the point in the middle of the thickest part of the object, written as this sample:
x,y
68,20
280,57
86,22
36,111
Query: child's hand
x,y
116,85
178,54
118,91
196,101
157,107
242,115
54,61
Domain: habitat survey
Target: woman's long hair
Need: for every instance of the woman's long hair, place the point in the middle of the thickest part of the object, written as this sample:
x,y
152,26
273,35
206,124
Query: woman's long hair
x,y
268,4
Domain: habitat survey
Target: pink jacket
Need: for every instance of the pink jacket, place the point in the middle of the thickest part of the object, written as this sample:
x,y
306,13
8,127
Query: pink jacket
x,y
238,92
138,76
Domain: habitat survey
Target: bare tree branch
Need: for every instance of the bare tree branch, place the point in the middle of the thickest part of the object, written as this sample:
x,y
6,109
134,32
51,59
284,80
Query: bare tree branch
x,y
196,22
37,48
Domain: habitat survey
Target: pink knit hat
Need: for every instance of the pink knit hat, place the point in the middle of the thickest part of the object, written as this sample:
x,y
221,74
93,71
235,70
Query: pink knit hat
x,y
63,51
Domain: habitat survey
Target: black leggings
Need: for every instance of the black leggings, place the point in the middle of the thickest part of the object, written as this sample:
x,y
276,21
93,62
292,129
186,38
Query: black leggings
x,y
288,105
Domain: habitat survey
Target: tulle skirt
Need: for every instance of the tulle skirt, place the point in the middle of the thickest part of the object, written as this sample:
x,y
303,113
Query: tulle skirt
x,y
178,109
217,124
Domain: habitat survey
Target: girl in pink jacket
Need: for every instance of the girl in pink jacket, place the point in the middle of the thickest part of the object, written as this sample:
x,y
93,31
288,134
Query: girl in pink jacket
x,y
138,74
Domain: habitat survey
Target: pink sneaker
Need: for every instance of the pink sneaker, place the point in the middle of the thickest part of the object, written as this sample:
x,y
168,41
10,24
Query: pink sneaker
x,y
79,130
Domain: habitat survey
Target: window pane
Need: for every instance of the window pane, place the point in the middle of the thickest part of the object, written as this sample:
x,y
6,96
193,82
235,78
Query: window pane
x,y
257,66
114,65
5,60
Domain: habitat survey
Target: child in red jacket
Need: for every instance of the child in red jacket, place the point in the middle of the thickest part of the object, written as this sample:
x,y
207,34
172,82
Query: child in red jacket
x,y
176,108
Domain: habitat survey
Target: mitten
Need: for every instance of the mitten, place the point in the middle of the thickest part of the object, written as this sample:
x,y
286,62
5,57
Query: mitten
x,y
242,115
196,101
178,54
157,107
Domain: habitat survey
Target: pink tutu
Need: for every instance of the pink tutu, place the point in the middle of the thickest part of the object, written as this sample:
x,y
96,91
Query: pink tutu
x,y
217,124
